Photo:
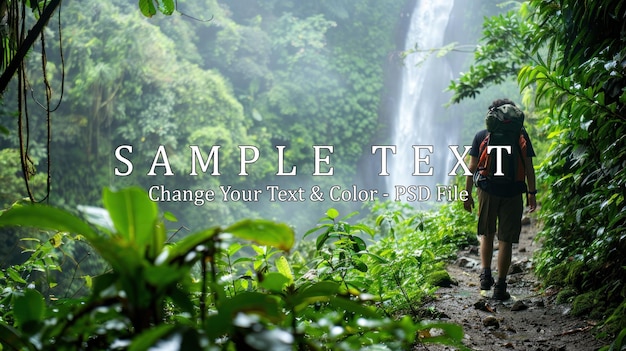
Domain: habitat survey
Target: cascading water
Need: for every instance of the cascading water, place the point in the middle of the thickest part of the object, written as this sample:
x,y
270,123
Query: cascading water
x,y
421,118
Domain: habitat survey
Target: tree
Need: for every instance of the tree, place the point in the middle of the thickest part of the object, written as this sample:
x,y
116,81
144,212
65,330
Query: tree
x,y
571,58
16,43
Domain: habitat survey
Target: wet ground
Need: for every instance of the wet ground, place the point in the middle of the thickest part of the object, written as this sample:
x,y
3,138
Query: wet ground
x,y
530,320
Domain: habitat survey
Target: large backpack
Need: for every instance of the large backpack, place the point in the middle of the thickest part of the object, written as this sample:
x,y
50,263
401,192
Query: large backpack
x,y
504,128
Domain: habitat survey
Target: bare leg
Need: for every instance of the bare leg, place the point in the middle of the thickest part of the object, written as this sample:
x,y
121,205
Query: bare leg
x,y
486,250
505,253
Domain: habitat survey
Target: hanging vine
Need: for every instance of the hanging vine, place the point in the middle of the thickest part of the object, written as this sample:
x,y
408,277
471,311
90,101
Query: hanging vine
x,y
17,40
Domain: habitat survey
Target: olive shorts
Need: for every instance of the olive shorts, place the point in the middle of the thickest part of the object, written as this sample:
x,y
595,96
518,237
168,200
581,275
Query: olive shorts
x,y
505,213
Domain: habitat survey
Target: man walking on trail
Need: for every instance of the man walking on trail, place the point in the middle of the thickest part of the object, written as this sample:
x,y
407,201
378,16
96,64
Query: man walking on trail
x,y
500,184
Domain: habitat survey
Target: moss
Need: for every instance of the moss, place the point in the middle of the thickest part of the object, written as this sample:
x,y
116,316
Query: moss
x,y
566,295
590,303
557,275
617,320
575,274
440,278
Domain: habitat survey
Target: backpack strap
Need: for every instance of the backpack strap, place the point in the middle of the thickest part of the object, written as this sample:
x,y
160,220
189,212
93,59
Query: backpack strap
x,y
483,161
483,157
522,156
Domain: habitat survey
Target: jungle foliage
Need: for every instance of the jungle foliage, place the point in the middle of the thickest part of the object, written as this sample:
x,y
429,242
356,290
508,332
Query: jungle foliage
x,y
241,286
569,59
273,73
264,74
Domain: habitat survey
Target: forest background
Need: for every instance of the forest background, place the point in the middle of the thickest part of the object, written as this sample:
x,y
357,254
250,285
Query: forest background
x,y
259,74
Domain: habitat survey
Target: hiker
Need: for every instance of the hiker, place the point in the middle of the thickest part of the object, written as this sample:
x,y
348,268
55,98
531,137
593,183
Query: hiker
x,y
499,191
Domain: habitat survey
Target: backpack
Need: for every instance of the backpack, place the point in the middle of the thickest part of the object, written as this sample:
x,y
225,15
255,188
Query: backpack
x,y
504,128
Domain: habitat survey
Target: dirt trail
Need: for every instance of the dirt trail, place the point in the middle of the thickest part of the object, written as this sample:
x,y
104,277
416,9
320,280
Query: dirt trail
x,y
530,320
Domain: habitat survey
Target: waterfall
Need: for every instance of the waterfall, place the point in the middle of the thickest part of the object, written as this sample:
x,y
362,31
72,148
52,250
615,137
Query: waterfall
x,y
421,118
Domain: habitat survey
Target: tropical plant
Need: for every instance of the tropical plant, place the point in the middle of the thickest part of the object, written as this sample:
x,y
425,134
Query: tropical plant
x,y
146,274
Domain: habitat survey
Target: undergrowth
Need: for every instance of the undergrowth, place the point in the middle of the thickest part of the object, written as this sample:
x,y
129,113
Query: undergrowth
x,y
247,285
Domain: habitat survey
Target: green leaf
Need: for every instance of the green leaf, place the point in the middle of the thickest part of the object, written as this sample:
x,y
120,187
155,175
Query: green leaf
x,y
379,220
29,309
147,8
321,291
358,243
15,276
251,302
284,268
274,282
46,217
316,228
332,213
167,7
180,250
164,276
88,281
233,248
102,282
364,228
170,216
150,337
319,243
354,307
264,232
377,258
159,237
122,257
134,216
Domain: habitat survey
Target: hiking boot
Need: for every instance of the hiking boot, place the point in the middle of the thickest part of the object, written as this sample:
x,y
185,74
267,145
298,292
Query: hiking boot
x,y
486,281
500,293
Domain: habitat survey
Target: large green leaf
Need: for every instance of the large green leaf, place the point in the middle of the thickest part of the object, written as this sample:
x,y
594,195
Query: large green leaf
x,y
123,258
29,310
150,337
167,337
164,276
274,282
262,305
46,217
353,307
251,302
116,252
134,216
264,232
318,292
